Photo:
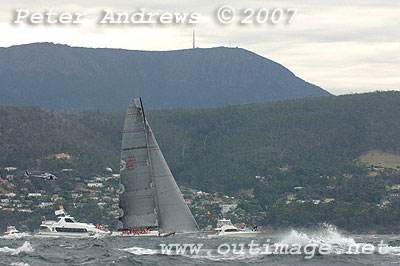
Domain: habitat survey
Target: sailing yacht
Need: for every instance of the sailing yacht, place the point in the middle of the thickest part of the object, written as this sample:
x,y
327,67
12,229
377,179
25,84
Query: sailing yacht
x,y
151,203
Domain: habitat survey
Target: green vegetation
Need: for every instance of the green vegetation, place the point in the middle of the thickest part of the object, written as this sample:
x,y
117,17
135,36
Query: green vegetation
x,y
380,158
312,144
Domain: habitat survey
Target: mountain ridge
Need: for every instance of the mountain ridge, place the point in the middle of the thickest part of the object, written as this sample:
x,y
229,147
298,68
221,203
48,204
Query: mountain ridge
x,y
56,76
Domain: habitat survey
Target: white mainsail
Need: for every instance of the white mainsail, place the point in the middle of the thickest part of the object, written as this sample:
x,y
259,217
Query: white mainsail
x,y
149,195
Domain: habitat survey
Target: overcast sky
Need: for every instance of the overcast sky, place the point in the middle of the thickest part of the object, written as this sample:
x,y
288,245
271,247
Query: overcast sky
x,y
343,46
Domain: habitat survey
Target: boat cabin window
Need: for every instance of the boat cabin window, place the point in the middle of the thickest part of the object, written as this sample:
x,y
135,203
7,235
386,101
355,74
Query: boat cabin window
x,y
71,230
68,220
231,230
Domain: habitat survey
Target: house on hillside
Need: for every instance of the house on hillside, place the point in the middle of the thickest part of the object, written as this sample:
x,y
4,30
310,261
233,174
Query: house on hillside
x,y
328,200
228,207
95,184
394,187
60,156
26,210
34,194
188,201
349,176
284,168
373,174
316,202
377,168
45,204
394,196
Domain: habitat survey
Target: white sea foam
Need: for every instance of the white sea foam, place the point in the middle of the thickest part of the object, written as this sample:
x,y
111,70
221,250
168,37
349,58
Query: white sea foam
x,y
20,264
25,248
211,255
205,254
391,251
141,251
15,236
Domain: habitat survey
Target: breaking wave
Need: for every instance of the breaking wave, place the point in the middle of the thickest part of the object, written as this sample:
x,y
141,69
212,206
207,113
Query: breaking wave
x,y
25,248
330,235
327,234
393,251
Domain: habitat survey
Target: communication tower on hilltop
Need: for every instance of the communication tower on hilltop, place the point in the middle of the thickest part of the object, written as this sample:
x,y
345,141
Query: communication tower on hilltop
x,y
194,39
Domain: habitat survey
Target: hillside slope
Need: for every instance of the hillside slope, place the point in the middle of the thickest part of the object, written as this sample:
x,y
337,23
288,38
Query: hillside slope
x,y
221,148
303,151
63,77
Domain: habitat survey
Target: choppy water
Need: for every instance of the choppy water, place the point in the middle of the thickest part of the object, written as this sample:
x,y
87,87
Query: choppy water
x,y
30,250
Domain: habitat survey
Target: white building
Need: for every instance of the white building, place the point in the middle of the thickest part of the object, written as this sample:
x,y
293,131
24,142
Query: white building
x,y
45,204
25,210
34,194
95,184
102,178
228,207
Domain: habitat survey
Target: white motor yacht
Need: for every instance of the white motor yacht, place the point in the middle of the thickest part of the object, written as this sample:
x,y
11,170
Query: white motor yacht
x,y
66,226
11,230
225,228
13,233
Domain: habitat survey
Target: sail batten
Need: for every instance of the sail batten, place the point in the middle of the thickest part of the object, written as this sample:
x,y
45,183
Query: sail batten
x,y
150,196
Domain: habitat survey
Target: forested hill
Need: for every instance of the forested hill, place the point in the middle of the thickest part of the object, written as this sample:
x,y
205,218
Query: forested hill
x,y
215,149
72,78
